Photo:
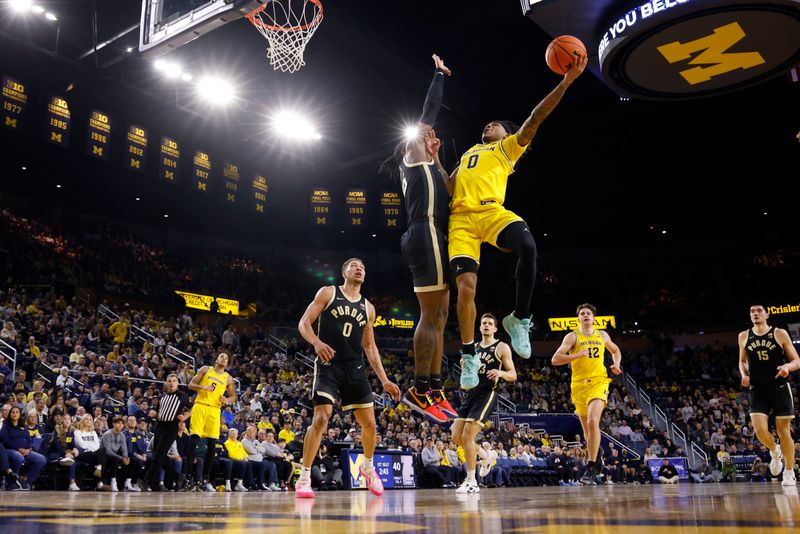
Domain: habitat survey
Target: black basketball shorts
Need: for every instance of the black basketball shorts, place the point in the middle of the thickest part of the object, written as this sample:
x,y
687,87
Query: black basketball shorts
x,y
478,405
348,380
424,248
772,398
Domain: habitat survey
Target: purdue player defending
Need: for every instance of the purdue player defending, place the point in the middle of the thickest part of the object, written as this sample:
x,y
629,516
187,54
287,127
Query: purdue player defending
x,y
584,350
344,325
210,383
763,350
477,216
424,245
481,401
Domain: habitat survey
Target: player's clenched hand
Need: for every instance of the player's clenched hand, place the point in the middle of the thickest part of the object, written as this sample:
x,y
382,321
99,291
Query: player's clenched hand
x,y
324,351
440,64
783,370
746,381
616,369
392,389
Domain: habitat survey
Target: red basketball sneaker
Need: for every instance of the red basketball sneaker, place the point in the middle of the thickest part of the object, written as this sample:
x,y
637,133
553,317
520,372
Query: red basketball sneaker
x,y
424,405
437,395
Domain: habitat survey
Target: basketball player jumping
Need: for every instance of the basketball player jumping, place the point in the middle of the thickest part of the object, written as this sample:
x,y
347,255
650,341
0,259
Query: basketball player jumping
x,y
763,350
210,383
477,216
344,325
481,401
584,349
424,247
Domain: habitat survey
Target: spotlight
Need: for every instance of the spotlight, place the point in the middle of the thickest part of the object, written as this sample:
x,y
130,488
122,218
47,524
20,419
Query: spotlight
x,y
215,90
58,186
20,6
170,69
49,16
186,77
137,198
410,132
129,49
166,216
293,126
37,9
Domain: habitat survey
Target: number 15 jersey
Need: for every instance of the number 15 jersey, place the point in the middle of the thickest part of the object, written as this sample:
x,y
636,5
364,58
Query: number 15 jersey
x,y
592,365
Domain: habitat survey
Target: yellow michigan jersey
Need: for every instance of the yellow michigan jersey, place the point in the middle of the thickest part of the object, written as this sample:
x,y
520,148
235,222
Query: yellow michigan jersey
x,y
593,365
220,383
483,174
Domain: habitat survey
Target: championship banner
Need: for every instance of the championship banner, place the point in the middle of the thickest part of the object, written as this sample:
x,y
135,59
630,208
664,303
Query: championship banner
x,y
14,101
136,148
231,176
320,207
356,202
561,324
390,209
98,135
202,171
57,122
260,189
170,156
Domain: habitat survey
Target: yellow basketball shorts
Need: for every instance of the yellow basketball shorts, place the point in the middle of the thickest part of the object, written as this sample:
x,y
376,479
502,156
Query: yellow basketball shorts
x,y
205,421
584,391
467,230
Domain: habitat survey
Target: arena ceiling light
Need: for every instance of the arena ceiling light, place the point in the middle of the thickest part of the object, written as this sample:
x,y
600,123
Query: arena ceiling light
x,y
215,90
170,69
292,125
410,132
21,6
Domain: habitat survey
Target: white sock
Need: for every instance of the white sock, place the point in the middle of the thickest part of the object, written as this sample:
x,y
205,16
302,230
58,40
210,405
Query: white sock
x,y
305,473
470,476
127,482
368,464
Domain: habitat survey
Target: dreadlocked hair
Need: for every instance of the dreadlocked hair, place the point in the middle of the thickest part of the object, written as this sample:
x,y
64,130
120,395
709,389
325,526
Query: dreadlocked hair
x,y
391,165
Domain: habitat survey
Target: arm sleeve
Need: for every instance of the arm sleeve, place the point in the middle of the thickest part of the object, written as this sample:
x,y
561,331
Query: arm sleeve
x,y
433,100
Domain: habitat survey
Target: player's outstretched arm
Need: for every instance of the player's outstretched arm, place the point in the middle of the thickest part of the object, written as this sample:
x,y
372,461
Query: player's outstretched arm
x,y
562,355
415,148
743,369
374,355
528,129
785,341
321,300
616,354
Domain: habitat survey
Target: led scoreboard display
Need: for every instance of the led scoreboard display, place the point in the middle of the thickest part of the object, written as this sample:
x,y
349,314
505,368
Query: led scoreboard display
x,y
136,148
98,135
320,206
260,189
231,175
356,202
390,209
14,101
170,156
395,469
202,171
57,122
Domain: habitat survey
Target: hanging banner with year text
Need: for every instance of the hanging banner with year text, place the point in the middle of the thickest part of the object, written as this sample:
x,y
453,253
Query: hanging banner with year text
x,y
15,100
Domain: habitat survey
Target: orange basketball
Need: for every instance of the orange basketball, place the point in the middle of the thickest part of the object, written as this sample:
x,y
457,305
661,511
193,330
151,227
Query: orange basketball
x,y
561,53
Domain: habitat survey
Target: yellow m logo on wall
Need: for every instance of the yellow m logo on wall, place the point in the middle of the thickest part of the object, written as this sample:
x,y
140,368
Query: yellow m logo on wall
x,y
713,53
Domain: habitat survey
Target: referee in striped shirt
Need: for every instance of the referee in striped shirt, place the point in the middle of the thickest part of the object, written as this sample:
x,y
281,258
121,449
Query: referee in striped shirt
x,y
173,406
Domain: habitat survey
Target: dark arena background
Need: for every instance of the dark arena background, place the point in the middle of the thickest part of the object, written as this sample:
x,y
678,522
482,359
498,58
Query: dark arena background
x,y
169,190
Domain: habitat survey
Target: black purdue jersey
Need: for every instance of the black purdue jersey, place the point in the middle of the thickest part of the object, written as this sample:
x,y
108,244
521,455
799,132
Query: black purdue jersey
x,y
425,193
489,360
764,355
341,325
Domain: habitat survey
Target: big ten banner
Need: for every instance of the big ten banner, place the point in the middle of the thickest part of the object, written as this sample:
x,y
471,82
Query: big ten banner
x,y
202,171
321,206
15,100
136,148
560,324
356,202
260,189
390,209
170,156
231,176
98,135
57,122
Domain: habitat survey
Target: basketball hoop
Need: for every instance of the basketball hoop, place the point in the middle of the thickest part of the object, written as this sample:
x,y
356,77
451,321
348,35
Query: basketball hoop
x,y
287,30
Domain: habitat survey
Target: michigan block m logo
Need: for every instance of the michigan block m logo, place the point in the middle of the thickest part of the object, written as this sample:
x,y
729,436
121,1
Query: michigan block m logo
x,y
712,50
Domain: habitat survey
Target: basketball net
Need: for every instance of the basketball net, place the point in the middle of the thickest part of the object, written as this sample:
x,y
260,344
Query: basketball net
x,y
287,30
